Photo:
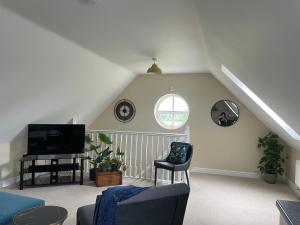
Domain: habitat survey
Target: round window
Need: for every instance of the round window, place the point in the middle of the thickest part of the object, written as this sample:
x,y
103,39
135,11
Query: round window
x,y
171,111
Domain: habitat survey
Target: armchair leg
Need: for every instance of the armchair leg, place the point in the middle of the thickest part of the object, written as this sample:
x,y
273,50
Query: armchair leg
x,y
187,177
172,179
155,178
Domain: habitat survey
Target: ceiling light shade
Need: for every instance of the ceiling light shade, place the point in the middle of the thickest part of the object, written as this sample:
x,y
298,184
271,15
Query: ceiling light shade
x,y
154,68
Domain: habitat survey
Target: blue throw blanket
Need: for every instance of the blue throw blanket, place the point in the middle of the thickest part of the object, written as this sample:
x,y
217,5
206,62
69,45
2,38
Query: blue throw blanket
x,y
106,205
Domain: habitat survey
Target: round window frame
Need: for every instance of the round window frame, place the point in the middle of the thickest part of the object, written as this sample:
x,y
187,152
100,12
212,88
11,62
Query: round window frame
x,y
156,115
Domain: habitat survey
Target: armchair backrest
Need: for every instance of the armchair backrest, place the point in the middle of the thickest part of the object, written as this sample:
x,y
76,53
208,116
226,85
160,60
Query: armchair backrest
x,y
156,206
189,152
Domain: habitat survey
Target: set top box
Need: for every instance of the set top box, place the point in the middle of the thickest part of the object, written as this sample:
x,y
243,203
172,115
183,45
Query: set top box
x,y
52,139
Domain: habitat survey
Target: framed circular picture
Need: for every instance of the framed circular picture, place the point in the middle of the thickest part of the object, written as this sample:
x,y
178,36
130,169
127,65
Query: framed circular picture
x,y
124,110
225,113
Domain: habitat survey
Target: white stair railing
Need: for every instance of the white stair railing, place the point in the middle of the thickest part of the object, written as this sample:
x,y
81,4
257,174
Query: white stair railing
x,y
141,149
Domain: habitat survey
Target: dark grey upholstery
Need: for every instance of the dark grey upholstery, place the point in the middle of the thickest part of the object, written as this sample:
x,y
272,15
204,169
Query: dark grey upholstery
x,y
164,164
289,211
163,205
85,215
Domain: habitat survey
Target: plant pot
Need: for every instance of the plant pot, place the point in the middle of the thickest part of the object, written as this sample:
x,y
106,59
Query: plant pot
x,y
93,174
270,178
108,178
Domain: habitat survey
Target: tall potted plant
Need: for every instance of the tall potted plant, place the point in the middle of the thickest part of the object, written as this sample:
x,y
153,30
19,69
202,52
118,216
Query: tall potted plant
x,y
270,164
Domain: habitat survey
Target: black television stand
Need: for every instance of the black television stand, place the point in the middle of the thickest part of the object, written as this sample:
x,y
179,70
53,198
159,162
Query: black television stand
x,y
54,167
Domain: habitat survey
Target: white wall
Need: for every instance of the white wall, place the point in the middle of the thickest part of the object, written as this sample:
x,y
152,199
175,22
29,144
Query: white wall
x,y
227,148
45,78
6,166
292,156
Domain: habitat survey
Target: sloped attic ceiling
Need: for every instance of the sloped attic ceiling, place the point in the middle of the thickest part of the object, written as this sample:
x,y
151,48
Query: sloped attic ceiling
x,y
127,32
258,41
45,78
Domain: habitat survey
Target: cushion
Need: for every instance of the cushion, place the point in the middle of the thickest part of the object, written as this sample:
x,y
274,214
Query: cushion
x,y
11,204
178,153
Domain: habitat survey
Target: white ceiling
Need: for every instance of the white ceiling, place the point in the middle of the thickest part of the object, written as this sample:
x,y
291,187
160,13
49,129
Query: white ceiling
x,y
47,79
258,40
127,32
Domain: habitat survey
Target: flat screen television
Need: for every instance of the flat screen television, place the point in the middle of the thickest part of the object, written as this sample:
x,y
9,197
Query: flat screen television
x,y
49,139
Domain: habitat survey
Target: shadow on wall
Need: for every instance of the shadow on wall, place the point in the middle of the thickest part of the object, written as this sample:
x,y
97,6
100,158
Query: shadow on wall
x,y
18,147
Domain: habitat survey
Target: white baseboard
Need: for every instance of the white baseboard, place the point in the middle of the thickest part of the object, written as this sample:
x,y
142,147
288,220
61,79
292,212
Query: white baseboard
x,y
230,173
293,187
13,180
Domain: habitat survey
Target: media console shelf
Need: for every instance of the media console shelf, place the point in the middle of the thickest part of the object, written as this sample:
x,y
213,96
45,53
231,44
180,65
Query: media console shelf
x,y
54,167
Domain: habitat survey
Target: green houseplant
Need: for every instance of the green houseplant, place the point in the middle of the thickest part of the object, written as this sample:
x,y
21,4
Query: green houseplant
x,y
103,160
113,163
270,164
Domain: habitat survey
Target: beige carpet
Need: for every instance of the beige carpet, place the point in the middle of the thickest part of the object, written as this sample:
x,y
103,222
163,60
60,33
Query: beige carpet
x,y
214,200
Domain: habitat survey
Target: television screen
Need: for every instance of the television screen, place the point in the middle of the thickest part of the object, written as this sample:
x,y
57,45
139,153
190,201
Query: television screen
x,y
47,139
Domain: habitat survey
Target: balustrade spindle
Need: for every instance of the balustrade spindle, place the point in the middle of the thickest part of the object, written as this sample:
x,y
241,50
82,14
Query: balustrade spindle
x,y
130,158
141,156
146,156
125,151
163,155
136,156
152,158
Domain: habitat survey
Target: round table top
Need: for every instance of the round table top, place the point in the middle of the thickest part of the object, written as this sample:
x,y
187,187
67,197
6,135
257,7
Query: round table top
x,y
45,215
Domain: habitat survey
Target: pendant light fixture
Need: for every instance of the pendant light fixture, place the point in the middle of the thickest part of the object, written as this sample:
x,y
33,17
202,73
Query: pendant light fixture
x,y
154,69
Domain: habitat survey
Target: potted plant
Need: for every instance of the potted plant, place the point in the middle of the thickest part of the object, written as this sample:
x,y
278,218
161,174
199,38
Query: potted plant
x,y
110,170
107,165
98,155
114,163
270,164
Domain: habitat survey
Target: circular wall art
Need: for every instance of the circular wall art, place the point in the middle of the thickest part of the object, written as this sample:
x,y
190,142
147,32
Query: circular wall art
x,y
225,113
124,110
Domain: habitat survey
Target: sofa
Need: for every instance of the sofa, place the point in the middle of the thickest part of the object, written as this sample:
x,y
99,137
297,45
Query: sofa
x,y
11,204
155,206
289,212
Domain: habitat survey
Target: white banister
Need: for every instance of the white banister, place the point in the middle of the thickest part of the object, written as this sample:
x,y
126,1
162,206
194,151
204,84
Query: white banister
x,y
187,132
141,149
130,159
136,156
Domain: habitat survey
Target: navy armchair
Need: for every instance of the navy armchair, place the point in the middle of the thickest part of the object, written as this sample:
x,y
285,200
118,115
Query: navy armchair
x,y
165,164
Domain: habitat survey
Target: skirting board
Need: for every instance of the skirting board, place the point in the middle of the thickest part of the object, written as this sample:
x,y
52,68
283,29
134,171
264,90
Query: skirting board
x,y
13,180
230,173
293,187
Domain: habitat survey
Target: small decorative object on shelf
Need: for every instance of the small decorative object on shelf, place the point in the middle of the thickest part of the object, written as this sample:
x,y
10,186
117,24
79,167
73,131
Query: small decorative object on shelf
x,y
107,165
270,164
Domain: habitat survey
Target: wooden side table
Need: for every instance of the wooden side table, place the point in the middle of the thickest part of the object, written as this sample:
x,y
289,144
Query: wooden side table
x,y
46,215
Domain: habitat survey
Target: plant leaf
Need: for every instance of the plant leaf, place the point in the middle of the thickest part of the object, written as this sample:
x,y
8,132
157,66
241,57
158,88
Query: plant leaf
x,y
105,139
88,139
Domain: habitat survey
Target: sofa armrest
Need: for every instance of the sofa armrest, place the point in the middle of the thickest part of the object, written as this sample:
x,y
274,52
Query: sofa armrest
x,y
156,206
158,193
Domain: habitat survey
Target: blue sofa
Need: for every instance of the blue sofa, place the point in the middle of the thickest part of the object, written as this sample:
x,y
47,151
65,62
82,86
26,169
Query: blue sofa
x,y
11,204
